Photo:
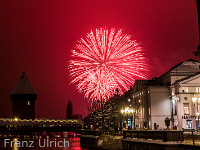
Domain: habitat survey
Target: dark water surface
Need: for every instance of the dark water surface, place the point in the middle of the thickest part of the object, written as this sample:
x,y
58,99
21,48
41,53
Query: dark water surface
x,y
42,143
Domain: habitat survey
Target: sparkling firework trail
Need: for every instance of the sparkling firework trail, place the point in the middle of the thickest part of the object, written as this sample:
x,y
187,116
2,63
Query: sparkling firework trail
x,y
104,61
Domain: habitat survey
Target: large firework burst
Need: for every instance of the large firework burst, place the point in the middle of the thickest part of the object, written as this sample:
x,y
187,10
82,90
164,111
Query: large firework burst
x,y
104,61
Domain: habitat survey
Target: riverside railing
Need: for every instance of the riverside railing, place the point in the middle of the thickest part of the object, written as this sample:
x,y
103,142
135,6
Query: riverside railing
x,y
192,135
97,132
165,135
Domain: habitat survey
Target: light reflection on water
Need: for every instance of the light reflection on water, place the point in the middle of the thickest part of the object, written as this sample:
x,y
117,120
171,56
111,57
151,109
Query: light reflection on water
x,y
74,143
15,146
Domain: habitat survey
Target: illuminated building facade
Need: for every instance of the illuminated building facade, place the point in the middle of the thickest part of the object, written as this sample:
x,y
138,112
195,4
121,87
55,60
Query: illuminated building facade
x,y
152,104
186,102
23,98
162,97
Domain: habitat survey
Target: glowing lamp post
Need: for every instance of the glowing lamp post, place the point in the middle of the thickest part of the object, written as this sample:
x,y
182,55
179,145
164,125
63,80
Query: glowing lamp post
x,y
194,99
129,112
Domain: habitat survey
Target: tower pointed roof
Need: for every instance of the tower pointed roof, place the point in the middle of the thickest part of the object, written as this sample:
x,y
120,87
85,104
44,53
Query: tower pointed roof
x,y
23,86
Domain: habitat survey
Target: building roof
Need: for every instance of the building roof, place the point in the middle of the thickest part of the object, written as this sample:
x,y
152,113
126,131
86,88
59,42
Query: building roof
x,y
144,84
23,86
189,66
140,84
186,78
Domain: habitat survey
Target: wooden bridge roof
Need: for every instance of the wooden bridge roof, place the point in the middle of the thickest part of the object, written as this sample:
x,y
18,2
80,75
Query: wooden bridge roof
x,y
10,121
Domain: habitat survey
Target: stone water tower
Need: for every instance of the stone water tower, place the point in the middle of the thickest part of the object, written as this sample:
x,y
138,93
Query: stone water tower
x,y
23,98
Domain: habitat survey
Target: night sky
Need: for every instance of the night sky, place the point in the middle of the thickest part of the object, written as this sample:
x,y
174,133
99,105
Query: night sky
x,y
37,36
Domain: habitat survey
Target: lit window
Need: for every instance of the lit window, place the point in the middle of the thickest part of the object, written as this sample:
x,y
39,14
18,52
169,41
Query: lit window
x,y
198,107
197,89
186,108
149,111
29,103
185,89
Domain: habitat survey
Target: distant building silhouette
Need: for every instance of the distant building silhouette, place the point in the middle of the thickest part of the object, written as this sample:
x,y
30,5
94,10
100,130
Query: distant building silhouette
x,y
23,97
69,110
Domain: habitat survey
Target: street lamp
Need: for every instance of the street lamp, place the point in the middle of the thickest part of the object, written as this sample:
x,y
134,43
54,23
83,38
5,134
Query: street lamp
x,y
129,111
194,99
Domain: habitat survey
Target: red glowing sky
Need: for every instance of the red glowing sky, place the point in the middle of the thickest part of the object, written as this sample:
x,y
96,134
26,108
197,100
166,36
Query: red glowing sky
x,y
36,36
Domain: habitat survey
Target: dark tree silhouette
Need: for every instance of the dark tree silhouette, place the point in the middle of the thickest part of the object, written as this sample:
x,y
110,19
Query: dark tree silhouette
x,y
69,110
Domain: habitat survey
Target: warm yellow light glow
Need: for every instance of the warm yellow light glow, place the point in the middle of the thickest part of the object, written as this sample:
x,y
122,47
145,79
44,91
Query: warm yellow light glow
x,y
127,111
198,114
16,119
194,99
16,146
